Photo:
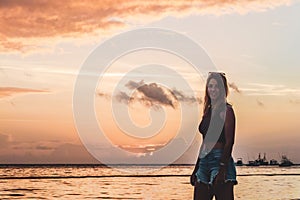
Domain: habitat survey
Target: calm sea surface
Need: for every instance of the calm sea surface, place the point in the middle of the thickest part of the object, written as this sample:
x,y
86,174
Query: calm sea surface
x,y
96,182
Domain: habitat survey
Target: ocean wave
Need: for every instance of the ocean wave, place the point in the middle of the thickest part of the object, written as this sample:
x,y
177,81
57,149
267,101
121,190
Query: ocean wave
x,y
131,176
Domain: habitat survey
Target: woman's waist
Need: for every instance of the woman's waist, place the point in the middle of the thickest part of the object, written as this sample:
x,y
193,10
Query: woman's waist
x,y
211,149
214,145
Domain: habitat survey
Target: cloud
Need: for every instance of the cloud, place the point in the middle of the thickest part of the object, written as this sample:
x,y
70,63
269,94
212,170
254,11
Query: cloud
x,y
142,149
122,97
134,85
35,145
234,87
101,94
152,94
43,147
260,89
63,153
184,98
29,25
294,101
66,153
158,94
71,153
148,94
260,103
9,91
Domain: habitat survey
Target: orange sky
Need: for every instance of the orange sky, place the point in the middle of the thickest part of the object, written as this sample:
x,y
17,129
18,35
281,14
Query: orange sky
x,y
44,44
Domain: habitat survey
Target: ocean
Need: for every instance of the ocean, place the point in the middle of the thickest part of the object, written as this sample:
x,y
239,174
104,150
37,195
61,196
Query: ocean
x,y
143,182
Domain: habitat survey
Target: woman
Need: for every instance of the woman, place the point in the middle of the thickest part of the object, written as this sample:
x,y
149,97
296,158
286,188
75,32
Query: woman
x,y
215,173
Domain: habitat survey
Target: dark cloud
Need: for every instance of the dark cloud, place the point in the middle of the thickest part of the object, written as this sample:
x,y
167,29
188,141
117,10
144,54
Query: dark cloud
x,y
134,85
123,98
184,98
150,94
71,153
101,94
43,147
154,95
158,94
33,145
260,103
9,91
64,153
234,87
294,101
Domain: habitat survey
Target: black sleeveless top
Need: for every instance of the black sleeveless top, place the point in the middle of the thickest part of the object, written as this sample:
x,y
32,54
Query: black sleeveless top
x,y
215,130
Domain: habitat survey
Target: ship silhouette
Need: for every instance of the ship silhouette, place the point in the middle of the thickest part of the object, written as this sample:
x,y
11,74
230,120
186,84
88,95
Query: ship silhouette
x,y
259,161
239,162
274,162
262,161
285,162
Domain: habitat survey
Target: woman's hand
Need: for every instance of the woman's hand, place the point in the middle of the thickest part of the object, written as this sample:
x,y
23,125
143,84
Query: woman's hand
x,y
193,178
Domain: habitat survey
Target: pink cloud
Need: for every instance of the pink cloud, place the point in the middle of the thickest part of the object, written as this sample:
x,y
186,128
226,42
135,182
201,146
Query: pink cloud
x,y
234,87
9,91
27,25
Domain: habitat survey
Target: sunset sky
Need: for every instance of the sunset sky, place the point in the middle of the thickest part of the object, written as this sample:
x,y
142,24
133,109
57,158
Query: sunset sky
x,y
43,45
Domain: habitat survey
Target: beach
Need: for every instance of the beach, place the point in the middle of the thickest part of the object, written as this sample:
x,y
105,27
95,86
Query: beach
x,y
172,182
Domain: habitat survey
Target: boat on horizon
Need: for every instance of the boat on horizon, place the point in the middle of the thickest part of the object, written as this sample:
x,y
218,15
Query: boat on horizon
x,y
252,163
273,162
285,162
239,162
259,161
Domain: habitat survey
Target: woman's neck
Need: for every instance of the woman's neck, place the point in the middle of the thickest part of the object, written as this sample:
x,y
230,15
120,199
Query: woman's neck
x,y
215,104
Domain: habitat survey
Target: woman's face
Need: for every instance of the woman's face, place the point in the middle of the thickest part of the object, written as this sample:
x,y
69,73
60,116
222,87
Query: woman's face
x,y
213,89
